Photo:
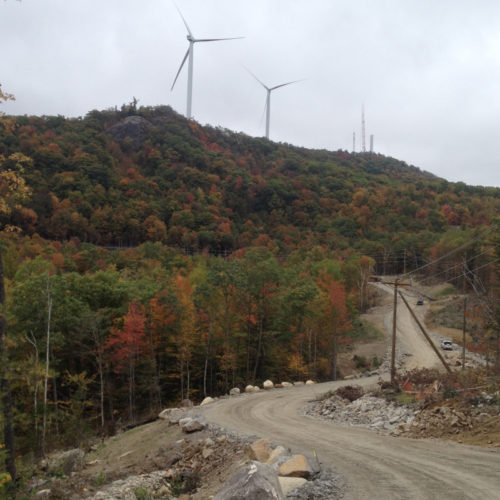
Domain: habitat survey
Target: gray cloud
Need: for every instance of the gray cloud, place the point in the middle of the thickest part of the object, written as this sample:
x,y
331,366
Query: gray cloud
x,y
426,71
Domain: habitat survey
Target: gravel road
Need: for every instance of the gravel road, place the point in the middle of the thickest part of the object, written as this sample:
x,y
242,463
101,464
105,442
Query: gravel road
x,y
375,466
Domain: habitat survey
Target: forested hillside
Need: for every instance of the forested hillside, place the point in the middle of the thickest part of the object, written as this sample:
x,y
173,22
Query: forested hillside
x,y
130,176
148,259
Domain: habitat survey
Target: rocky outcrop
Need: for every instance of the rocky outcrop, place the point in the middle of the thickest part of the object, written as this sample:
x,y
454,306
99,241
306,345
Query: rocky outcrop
x,y
256,481
135,128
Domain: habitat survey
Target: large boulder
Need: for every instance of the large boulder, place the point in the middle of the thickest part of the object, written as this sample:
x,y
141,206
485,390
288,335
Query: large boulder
x,y
289,484
207,401
255,481
298,383
296,466
172,415
260,450
189,425
310,382
267,384
249,388
286,384
278,452
234,391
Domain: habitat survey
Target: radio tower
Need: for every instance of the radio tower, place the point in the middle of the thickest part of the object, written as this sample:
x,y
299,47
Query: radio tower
x,y
363,142
354,142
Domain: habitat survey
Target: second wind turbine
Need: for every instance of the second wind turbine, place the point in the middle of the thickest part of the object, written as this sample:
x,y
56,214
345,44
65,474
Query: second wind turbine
x,y
268,99
192,40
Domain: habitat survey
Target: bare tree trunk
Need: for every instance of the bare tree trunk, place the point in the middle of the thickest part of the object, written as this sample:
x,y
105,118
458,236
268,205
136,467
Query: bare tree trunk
x,y
259,346
32,341
101,383
47,365
8,424
188,377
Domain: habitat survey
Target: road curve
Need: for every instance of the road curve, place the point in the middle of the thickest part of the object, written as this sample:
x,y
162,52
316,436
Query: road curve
x,y
375,466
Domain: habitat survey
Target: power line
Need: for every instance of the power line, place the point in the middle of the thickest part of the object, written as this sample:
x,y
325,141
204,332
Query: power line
x,y
451,252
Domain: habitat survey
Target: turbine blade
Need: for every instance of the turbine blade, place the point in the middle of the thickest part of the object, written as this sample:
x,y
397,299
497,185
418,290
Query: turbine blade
x,y
265,86
180,68
185,22
283,84
217,39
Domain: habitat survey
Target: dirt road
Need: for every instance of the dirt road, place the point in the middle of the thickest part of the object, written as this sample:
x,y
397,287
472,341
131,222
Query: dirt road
x,y
410,340
376,466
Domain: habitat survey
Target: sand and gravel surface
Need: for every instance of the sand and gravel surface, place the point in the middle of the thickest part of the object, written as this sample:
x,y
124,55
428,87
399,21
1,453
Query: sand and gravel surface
x,y
375,466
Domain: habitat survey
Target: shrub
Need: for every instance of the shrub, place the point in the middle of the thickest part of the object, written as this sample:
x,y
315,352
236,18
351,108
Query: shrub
x,y
349,392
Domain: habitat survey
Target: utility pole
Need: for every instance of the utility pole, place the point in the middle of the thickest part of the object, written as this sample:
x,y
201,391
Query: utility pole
x,y
396,283
393,349
463,338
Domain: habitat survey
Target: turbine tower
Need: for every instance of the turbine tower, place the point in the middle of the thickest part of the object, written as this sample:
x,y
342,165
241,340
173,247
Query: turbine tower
x,y
192,40
268,99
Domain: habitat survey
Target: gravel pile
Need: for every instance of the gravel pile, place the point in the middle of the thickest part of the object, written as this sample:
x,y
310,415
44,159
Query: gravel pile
x,y
366,411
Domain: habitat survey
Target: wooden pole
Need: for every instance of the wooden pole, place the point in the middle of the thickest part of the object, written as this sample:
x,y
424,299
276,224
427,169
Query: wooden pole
x,y
445,364
463,338
394,315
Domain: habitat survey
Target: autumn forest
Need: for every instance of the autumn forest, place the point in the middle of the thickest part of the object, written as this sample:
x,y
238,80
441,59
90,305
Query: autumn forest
x,y
149,259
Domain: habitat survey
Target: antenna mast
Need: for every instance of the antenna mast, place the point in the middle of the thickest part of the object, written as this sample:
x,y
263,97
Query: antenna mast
x,y
363,142
354,142
371,143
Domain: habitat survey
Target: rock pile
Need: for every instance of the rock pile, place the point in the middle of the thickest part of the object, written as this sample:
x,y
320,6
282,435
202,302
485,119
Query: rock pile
x,y
443,421
274,474
366,411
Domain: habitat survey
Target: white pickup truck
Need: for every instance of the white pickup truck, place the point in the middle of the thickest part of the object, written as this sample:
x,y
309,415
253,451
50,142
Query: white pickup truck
x,y
446,345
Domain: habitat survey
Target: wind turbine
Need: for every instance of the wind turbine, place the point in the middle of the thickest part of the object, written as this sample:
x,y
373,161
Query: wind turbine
x,y
192,40
268,99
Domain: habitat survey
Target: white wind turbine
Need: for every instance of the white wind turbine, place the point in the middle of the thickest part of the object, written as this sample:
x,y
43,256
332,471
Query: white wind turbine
x,y
268,99
192,40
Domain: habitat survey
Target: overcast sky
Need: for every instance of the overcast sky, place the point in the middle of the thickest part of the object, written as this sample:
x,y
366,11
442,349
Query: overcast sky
x,y
427,71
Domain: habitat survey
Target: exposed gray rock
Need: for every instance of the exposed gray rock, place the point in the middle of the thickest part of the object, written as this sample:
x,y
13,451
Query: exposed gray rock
x,y
289,484
255,481
234,391
133,127
366,411
189,425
